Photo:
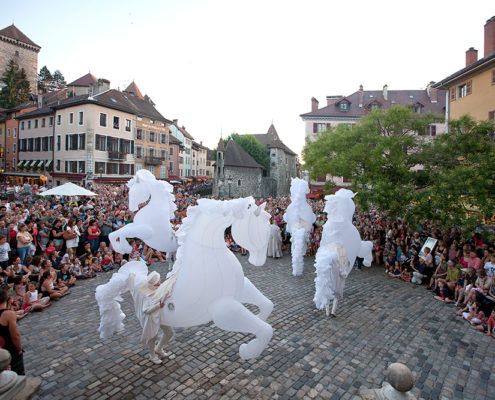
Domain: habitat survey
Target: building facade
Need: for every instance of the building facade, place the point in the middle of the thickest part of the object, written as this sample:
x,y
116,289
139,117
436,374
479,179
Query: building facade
x,y
471,90
15,45
186,139
175,158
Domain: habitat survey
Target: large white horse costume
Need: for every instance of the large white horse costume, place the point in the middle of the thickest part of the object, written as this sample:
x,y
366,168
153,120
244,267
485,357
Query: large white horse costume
x,y
207,282
151,223
300,219
339,247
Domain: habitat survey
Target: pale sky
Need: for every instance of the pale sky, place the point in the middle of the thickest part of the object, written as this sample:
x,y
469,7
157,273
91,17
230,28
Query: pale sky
x,y
228,65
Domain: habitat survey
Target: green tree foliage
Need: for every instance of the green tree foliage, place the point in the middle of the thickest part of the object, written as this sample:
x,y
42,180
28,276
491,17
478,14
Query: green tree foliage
x,y
449,180
48,82
253,147
16,88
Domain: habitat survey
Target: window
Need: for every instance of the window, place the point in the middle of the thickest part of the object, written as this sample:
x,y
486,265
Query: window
x,y
82,141
163,138
43,122
81,118
465,89
164,154
127,125
8,132
151,152
116,122
171,151
374,106
22,144
112,168
71,118
100,143
452,94
15,132
59,119
30,144
35,124
29,124
491,115
44,143
37,144
139,152
50,143
22,125
139,134
417,108
344,106
124,169
103,119
14,148
59,143
433,130
57,165
152,136
81,167
171,166
99,167
50,121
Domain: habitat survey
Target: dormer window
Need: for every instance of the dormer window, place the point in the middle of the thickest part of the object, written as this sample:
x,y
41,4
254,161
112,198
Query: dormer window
x,y
344,106
417,108
374,105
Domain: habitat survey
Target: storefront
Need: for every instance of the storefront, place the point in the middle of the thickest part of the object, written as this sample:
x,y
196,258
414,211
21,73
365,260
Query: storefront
x,y
20,178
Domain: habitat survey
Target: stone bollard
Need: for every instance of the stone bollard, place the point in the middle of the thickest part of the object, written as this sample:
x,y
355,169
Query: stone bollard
x,y
13,386
399,382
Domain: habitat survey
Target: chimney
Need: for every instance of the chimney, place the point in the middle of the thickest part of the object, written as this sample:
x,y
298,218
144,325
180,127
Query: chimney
x,y
40,101
489,36
333,99
361,96
175,121
314,104
385,92
471,56
432,92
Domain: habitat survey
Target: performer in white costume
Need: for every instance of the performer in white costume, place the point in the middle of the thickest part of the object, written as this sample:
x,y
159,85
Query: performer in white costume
x,y
300,219
206,283
275,242
339,247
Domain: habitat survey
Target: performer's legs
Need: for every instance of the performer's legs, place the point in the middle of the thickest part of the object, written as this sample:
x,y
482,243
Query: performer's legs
x,y
334,307
153,357
168,334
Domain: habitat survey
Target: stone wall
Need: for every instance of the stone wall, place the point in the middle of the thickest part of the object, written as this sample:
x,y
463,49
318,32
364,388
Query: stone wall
x,y
282,169
244,182
25,58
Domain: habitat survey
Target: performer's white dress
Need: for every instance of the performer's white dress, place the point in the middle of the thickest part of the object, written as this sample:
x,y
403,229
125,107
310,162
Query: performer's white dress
x,y
274,242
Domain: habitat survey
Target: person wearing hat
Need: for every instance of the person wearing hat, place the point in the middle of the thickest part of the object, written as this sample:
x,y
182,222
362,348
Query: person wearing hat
x,y
149,312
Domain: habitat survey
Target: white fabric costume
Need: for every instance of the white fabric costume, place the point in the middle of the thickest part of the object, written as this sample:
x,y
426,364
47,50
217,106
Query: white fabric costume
x,y
275,242
339,247
300,219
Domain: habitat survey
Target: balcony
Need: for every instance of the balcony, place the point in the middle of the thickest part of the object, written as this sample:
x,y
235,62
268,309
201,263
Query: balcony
x,y
153,160
116,156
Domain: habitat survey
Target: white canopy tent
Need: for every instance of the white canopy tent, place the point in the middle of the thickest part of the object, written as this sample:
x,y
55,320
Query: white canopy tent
x,y
67,189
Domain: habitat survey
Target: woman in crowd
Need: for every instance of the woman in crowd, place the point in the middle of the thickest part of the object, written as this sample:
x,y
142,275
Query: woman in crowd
x,y
71,237
10,334
24,242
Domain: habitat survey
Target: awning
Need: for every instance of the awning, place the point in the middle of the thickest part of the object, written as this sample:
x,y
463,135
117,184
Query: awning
x,y
26,174
33,163
48,163
40,163
20,163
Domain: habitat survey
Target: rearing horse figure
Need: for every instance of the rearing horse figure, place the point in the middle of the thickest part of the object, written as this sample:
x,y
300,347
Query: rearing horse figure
x,y
207,282
152,222
300,219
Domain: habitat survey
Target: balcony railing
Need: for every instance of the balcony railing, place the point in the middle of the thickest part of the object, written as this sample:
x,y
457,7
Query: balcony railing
x,y
153,160
116,155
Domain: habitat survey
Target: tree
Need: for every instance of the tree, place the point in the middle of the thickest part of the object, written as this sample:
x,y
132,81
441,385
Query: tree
x,y
48,82
16,87
449,180
45,79
378,154
58,80
253,147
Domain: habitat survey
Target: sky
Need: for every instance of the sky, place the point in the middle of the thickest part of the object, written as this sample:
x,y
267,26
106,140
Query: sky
x,y
223,66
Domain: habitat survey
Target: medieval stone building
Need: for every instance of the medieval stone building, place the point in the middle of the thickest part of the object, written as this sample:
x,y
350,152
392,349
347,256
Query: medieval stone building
x,y
237,174
15,45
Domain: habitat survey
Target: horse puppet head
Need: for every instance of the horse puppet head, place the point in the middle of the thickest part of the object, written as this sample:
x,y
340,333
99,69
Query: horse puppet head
x,y
251,230
143,185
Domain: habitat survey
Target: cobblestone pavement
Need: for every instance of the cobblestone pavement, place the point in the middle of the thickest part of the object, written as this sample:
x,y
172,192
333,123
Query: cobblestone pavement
x,y
310,356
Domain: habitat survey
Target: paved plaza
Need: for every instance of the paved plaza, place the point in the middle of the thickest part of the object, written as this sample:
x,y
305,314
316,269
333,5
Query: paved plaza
x,y
380,321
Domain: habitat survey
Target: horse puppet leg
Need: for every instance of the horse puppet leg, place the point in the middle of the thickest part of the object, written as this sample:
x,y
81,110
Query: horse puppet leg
x,y
230,315
118,237
251,295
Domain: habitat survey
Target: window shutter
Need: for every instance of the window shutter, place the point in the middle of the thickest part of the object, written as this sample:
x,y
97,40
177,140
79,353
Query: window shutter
x,y
67,142
452,94
491,115
468,87
493,76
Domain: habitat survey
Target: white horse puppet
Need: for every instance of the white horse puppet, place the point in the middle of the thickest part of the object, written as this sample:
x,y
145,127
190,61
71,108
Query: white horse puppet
x,y
300,219
151,223
207,282
339,247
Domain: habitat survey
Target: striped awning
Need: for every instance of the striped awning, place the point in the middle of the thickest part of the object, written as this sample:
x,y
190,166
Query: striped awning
x,y
20,163
48,163
40,163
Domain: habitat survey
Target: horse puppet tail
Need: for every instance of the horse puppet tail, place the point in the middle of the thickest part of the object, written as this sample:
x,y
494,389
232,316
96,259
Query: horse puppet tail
x,y
298,250
108,297
325,261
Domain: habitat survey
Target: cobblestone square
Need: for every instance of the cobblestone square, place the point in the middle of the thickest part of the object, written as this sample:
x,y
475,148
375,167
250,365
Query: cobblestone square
x,y
380,321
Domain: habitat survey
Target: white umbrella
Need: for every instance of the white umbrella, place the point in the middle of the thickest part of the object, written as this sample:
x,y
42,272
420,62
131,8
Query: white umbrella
x,y
67,189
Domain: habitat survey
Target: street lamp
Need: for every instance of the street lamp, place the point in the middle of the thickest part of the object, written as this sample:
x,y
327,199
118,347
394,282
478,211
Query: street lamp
x,y
229,181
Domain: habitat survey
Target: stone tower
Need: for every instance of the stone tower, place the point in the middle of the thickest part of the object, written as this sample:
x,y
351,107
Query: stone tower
x,y
17,46
218,175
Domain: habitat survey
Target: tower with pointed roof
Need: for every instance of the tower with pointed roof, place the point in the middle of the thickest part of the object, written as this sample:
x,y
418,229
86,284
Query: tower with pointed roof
x,y
15,45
